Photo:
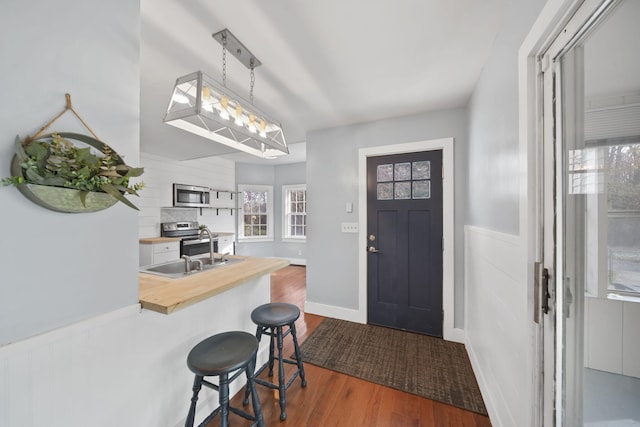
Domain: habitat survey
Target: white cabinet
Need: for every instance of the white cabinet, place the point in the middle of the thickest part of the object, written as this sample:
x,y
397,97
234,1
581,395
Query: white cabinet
x,y
158,252
226,243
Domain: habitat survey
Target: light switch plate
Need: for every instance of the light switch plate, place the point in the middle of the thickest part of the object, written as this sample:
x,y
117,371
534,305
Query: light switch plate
x,y
349,227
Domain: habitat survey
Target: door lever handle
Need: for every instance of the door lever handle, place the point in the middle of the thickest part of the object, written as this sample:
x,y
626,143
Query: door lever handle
x,y
373,250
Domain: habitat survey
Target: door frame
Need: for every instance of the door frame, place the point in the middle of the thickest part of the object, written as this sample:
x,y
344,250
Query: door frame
x,y
449,332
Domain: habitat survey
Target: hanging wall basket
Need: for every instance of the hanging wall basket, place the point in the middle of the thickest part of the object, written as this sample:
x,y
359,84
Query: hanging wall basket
x,y
45,166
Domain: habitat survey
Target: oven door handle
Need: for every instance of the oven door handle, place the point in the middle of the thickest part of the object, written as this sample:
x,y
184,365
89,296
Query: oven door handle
x,y
197,242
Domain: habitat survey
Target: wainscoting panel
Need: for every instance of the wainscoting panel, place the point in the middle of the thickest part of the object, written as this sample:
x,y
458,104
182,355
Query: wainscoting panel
x,y
125,368
495,318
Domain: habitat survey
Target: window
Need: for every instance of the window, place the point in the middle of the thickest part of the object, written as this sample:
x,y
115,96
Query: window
x,y
257,212
623,190
294,216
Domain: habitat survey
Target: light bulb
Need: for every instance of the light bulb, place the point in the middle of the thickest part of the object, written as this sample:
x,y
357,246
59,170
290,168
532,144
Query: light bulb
x,y
238,120
206,93
263,128
224,113
252,123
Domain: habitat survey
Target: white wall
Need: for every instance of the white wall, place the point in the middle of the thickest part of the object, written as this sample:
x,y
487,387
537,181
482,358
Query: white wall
x,y
159,177
494,317
332,181
61,268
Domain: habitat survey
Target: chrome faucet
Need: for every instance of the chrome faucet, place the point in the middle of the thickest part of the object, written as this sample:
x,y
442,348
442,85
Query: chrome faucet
x,y
211,242
187,263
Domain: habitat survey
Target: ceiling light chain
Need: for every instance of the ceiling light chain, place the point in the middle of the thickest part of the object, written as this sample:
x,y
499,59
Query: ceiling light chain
x,y
224,60
252,82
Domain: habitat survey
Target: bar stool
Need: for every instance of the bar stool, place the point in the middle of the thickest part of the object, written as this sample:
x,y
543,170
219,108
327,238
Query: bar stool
x,y
221,355
271,318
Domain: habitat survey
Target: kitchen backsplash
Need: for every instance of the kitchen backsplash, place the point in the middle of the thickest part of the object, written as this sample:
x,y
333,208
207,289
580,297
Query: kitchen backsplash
x,y
178,214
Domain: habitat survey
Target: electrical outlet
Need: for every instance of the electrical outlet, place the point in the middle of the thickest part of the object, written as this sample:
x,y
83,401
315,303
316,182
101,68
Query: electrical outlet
x,y
349,227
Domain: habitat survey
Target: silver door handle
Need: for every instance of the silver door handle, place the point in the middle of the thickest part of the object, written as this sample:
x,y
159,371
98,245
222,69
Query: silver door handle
x,y
372,249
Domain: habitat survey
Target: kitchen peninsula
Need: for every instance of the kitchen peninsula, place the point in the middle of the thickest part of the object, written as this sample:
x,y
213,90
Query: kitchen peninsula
x,y
166,295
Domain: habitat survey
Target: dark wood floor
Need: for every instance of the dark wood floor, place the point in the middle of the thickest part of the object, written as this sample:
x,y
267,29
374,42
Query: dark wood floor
x,y
333,399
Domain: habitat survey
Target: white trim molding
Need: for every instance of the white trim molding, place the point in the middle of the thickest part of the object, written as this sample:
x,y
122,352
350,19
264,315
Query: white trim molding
x,y
446,145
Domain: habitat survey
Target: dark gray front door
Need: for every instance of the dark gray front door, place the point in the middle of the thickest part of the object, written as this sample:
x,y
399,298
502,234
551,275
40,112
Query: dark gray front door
x,y
404,230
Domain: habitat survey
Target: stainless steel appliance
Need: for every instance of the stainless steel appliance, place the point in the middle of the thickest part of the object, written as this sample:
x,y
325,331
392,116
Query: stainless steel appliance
x,y
191,196
188,231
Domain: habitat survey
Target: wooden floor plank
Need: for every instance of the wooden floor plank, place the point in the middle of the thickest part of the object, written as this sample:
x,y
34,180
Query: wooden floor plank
x,y
334,399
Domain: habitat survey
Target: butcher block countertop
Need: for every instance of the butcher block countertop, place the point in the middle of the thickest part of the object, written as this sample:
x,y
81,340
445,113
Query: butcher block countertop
x,y
152,240
166,295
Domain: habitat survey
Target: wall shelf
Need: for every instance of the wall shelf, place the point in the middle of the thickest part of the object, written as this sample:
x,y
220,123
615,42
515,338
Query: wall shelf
x,y
218,194
222,209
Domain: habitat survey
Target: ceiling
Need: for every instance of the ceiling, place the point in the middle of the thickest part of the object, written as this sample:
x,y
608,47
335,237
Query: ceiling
x,y
324,63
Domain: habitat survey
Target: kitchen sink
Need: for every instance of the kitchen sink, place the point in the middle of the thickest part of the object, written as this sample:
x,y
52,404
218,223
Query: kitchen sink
x,y
177,269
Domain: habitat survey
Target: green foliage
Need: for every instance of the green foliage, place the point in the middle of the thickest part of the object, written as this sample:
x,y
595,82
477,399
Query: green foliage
x,y
55,161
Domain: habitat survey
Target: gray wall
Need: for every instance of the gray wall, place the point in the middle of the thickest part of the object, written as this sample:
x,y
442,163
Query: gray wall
x,y
61,268
275,176
332,181
494,173
288,175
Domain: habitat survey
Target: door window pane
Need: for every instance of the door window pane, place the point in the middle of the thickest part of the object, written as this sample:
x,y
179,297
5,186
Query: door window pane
x,y
421,170
421,189
402,190
402,171
385,191
384,173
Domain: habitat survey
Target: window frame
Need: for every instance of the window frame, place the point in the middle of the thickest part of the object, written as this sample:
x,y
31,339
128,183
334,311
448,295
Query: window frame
x,y
286,214
242,188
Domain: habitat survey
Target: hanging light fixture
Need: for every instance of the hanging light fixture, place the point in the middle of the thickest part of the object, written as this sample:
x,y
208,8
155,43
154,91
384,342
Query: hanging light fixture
x,y
204,107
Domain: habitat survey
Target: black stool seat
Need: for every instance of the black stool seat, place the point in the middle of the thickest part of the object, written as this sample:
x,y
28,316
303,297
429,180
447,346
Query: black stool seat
x,y
275,314
271,318
221,355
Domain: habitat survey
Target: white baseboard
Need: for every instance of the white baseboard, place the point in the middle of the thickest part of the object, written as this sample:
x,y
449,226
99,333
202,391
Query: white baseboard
x,y
455,335
483,384
335,312
297,261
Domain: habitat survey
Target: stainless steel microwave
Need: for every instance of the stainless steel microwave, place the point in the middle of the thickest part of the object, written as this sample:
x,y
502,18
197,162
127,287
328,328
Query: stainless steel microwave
x,y
190,196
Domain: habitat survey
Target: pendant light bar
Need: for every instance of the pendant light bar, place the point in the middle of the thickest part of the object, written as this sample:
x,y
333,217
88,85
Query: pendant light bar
x,y
202,106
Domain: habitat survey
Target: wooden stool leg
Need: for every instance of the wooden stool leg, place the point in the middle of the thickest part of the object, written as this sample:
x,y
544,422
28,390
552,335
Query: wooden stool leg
x,y
298,354
255,399
282,384
245,402
271,356
197,385
223,396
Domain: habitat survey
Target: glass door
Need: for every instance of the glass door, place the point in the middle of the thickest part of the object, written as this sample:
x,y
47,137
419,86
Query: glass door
x,y
595,228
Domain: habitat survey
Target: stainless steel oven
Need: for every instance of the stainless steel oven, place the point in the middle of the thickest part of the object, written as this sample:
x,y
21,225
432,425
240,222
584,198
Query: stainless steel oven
x,y
190,242
196,246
